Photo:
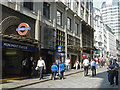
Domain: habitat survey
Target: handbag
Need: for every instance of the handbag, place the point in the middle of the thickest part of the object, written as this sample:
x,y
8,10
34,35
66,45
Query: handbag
x,y
36,68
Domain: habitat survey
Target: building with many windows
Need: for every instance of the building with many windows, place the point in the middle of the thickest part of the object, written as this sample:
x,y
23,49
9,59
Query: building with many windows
x,y
111,16
52,29
100,35
110,13
105,40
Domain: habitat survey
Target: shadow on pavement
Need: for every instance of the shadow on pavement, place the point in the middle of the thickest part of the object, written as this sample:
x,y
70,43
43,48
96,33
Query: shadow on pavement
x,y
105,82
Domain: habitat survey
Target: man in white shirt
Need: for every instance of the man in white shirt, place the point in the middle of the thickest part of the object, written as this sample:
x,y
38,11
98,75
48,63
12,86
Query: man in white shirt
x,y
86,66
67,62
40,65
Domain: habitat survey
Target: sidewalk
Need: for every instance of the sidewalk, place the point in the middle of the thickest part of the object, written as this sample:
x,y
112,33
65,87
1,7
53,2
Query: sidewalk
x,y
13,84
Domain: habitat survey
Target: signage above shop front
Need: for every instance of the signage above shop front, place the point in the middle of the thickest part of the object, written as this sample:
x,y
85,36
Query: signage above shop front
x,y
23,29
18,46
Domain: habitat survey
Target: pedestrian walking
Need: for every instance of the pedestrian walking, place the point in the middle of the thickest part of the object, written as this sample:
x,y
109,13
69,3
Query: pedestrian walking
x,y
76,64
30,67
111,59
103,61
68,62
24,66
41,65
93,67
100,62
110,73
54,70
80,65
116,67
61,70
86,66
107,61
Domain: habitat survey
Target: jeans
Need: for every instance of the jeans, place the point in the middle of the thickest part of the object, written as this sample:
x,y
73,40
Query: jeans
x,y
53,74
93,68
85,70
40,70
62,74
111,77
116,76
68,67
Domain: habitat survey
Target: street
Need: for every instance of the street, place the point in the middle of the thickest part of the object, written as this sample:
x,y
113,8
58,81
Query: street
x,y
78,81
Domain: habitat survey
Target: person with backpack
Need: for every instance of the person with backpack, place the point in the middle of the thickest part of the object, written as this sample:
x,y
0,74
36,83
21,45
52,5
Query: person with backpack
x,y
61,70
54,70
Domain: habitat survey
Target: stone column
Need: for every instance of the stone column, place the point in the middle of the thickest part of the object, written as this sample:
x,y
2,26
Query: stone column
x,y
37,27
65,29
80,26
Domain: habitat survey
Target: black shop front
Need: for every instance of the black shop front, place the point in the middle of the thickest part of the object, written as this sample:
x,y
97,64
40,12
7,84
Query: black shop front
x,y
13,52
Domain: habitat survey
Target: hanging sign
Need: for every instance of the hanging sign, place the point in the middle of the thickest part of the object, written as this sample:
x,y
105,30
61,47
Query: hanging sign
x,y
23,29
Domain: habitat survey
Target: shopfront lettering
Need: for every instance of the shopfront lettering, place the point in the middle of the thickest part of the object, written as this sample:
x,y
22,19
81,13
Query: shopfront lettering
x,y
18,46
10,45
23,47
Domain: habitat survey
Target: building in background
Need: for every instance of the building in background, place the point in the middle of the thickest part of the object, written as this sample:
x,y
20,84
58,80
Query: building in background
x,y
118,49
100,35
105,40
111,42
65,29
110,13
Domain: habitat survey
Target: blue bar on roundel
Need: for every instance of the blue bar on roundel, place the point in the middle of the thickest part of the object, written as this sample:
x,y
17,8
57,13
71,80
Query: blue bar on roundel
x,y
20,29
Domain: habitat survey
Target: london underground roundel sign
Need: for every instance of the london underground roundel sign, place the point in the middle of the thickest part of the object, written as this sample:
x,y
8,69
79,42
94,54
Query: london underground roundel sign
x,y
23,29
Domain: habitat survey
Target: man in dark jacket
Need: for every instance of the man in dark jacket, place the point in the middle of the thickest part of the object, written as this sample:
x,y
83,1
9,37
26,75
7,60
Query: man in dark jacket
x,y
116,67
31,64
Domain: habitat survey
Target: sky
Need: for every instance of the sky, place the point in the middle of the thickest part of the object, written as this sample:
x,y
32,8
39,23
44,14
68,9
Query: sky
x,y
97,3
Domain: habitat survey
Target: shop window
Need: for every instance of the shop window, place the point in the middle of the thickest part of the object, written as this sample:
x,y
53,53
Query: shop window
x,y
46,10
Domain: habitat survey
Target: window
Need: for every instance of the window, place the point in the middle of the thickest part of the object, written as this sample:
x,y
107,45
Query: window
x,y
82,2
87,15
76,5
99,43
46,10
76,28
68,3
82,12
87,5
59,18
28,5
68,23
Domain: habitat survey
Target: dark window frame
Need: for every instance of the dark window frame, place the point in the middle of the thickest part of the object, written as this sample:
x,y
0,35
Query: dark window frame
x,y
28,5
46,10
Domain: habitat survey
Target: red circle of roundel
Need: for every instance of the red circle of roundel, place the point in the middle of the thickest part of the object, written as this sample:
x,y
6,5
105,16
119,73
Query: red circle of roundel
x,y
23,24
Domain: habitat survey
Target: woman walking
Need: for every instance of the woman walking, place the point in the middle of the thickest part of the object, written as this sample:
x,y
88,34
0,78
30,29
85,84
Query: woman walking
x,y
76,64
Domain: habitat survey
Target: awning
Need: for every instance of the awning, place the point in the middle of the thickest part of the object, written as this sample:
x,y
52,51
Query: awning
x,y
21,39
